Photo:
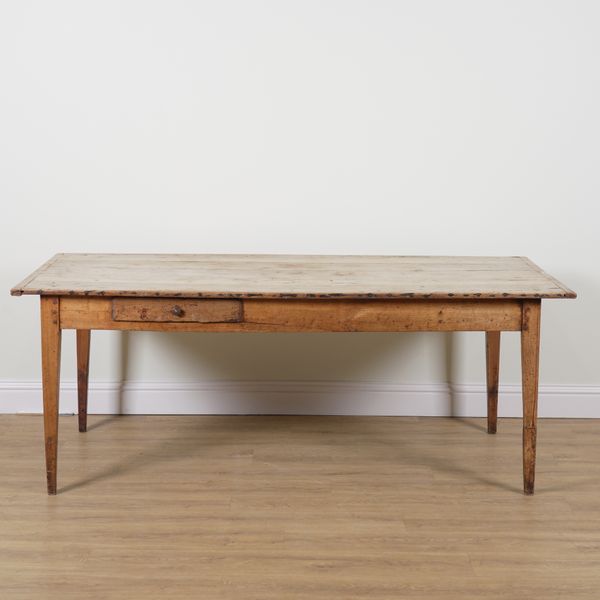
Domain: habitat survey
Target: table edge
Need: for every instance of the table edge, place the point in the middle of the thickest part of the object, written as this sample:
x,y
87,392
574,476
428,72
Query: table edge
x,y
567,294
21,289
568,291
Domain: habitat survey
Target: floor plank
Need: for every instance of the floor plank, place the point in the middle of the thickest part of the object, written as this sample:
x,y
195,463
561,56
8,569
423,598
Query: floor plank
x,y
298,507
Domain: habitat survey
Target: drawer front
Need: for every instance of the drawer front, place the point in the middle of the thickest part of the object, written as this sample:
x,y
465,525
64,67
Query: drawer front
x,y
165,310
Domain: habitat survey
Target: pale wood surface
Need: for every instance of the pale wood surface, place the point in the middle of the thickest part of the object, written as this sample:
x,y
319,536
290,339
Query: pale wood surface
x,y
289,276
301,508
325,315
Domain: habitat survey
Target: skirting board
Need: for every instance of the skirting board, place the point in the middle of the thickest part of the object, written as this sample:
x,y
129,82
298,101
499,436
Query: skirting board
x,y
301,397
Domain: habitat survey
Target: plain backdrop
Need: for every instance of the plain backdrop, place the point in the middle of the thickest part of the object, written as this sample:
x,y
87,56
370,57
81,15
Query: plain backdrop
x,y
361,127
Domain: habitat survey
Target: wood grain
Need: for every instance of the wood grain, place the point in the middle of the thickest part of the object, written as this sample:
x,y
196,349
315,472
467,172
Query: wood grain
x,y
530,357
492,360
83,370
176,310
17,290
319,316
51,346
299,508
292,276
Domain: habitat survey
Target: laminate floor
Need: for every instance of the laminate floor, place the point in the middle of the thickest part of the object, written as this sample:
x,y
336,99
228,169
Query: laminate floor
x,y
253,507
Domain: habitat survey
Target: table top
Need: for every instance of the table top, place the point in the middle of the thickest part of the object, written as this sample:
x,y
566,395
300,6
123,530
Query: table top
x,y
291,276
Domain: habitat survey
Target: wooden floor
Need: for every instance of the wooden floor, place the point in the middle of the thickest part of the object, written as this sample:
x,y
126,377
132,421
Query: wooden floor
x,y
298,507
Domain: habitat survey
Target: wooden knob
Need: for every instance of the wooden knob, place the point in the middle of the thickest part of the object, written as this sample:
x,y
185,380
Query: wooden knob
x,y
177,311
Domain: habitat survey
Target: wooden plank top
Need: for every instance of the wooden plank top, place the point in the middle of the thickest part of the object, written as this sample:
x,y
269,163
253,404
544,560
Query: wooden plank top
x,y
291,276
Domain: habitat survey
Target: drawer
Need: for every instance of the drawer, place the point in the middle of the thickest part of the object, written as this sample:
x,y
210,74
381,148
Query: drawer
x,y
174,310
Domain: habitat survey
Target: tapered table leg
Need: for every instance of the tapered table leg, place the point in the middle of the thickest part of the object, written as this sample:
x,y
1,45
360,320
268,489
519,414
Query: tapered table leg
x,y
492,359
530,355
83,364
51,341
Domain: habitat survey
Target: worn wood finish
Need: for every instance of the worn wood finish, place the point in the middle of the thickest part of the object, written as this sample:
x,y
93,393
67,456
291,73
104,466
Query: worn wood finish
x,y
83,369
176,310
317,316
265,293
530,356
299,508
51,345
285,276
492,360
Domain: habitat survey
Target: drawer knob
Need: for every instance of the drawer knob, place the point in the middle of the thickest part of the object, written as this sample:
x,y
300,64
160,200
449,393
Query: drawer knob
x,y
177,311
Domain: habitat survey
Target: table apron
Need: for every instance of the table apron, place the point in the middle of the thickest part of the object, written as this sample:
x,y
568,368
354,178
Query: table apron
x,y
317,315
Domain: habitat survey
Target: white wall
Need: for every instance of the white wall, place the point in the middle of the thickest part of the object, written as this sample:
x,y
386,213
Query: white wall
x,y
308,126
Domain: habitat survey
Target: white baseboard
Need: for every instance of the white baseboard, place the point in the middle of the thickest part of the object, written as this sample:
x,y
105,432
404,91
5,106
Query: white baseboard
x,y
301,397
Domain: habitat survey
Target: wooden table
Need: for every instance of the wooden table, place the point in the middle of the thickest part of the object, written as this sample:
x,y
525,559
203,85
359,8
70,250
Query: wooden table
x,y
259,293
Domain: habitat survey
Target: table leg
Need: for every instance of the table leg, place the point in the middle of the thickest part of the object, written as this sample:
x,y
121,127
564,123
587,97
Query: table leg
x,y
51,338
492,358
530,354
83,364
